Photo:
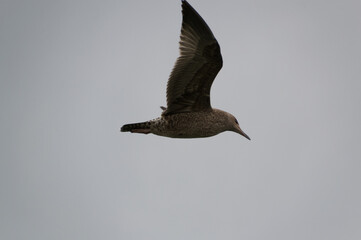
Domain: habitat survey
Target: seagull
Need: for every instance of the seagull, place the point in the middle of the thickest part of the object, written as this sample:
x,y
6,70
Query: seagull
x,y
189,113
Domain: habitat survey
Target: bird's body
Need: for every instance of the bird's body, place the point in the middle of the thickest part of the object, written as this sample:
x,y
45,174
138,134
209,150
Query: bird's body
x,y
189,113
186,125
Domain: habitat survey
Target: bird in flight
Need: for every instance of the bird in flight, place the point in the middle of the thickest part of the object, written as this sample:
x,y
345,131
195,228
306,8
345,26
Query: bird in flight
x,y
189,113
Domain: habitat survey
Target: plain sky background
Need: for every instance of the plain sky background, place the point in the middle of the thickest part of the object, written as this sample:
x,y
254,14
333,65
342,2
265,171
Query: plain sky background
x,y
72,72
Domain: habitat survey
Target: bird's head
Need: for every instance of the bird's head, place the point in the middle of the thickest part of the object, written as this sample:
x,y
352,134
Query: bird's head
x,y
234,126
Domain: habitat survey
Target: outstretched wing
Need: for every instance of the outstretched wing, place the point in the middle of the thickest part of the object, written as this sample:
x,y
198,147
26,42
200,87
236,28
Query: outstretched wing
x,y
199,62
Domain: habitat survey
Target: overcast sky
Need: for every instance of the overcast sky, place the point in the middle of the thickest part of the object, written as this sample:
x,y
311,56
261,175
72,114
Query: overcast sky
x,y
73,72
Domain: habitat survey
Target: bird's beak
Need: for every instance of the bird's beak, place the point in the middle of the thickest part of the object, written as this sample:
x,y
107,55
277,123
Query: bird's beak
x,y
239,130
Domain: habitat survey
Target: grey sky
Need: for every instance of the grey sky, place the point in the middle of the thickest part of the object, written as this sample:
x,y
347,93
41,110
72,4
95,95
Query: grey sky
x,y
72,72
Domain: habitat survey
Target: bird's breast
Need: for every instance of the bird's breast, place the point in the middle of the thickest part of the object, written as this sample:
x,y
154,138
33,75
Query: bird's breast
x,y
188,125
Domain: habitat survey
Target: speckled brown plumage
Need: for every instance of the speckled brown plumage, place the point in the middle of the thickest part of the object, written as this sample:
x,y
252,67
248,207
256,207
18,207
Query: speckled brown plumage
x,y
189,113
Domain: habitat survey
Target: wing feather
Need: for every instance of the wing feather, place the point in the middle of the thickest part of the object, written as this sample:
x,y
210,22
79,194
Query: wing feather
x,y
199,62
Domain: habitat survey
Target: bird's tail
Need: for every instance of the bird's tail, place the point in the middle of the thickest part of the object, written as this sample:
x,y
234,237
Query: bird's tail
x,y
142,127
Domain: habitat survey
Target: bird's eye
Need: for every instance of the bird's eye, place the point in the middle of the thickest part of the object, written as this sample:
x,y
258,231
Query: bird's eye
x,y
236,120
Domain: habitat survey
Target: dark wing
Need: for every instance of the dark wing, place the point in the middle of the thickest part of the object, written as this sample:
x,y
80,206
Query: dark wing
x,y
199,62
